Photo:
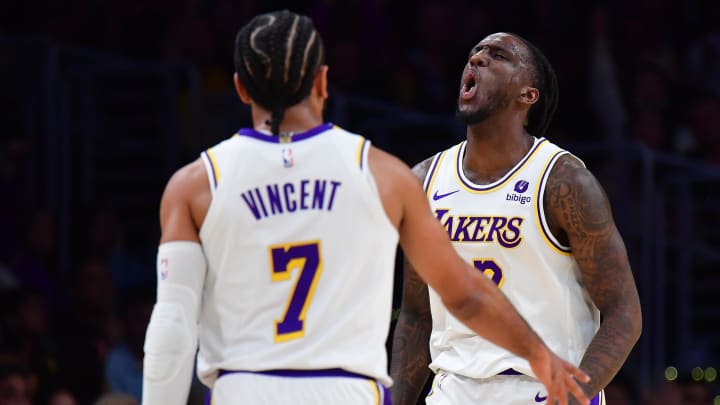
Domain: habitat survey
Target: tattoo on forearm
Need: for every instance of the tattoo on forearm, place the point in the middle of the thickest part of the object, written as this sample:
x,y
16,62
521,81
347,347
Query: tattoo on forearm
x,y
578,206
410,352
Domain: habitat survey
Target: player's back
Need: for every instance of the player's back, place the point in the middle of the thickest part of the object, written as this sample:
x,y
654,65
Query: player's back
x,y
300,255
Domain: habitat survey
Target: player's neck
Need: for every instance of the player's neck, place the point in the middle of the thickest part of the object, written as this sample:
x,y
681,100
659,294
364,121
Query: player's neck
x,y
491,152
297,119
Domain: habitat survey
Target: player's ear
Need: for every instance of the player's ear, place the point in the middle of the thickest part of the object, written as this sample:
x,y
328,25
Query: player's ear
x,y
320,82
240,89
529,95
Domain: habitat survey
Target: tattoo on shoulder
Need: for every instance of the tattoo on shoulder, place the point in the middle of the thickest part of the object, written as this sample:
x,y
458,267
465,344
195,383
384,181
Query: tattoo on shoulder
x,y
421,169
576,202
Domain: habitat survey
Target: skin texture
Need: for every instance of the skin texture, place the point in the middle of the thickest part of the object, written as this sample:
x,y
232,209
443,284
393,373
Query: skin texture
x,y
469,295
576,206
580,215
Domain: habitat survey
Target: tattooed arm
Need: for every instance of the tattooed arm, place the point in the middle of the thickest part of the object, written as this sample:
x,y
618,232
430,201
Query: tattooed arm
x,y
579,214
410,351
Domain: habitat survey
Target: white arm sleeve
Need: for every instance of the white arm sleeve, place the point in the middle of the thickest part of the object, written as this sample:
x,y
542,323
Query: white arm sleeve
x,y
171,337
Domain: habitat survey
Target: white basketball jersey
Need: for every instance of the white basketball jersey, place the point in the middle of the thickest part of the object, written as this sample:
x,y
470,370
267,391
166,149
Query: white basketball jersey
x,y
501,229
300,256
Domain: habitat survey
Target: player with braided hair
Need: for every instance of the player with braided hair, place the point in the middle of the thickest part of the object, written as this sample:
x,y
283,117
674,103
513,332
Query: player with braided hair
x,y
276,58
277,252
531,217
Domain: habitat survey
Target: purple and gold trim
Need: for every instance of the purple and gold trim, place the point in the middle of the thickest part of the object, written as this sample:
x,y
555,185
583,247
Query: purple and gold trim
x,y
376,391
252,133
540,211
478,189
326,372
430,177
362,152
380,392
210,159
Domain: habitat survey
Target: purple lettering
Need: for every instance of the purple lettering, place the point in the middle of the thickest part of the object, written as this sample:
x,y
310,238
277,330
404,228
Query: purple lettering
x,y
319,194
335,185
250,201
289,189
274,198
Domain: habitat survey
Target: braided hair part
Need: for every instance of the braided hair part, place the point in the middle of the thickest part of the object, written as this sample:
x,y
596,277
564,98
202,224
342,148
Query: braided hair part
x,y
276,57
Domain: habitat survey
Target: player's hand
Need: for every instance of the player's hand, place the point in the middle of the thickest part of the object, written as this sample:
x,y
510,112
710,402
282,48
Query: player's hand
x,y
559,378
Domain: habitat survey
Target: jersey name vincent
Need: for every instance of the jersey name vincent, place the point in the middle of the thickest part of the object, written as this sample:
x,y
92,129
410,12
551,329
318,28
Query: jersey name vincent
x,y
289,197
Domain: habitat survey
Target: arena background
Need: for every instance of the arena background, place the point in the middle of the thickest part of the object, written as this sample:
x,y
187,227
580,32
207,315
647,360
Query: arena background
x,y
101,100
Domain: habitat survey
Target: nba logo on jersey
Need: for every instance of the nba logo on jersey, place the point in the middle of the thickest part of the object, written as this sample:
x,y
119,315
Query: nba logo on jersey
x,y
163,269
287,157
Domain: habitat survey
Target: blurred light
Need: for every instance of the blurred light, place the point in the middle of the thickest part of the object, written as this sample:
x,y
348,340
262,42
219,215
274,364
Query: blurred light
x,y
697,374
710,374
716,401
671,373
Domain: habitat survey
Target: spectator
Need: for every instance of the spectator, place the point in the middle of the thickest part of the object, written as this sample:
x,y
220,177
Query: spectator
x,y
24,337
123,368
88,329
15,386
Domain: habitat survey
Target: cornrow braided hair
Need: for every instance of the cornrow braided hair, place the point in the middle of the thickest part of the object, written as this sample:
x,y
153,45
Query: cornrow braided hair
x,y
542,112
276,57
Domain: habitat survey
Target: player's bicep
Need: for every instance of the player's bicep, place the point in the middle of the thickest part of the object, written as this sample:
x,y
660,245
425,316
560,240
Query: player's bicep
x,y
176,220
578,205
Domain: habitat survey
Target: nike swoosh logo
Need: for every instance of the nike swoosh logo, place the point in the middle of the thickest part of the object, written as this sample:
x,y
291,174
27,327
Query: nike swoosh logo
x,y
437,196
538,398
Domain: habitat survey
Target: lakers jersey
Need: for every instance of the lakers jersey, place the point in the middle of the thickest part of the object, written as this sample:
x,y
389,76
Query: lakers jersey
x,y
501,229
300,256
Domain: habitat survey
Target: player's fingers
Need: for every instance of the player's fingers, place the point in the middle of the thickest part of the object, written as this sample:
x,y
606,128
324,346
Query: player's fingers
x,y
577,391
577,373
562,395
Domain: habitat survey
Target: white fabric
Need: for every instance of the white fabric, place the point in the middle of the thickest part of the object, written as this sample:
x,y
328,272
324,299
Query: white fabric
x,y
313,201
453,389
499,228
171,338
247,388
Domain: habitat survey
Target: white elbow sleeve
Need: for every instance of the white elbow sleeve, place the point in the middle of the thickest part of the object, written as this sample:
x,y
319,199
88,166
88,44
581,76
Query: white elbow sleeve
x,y
171,337
169,341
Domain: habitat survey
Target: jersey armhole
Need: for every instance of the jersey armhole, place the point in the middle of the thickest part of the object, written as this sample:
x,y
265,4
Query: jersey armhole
x,y
362,153
211,169
542,218
430,176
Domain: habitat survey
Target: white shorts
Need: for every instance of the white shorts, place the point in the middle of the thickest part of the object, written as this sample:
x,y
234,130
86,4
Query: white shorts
x,y
298,387
514,389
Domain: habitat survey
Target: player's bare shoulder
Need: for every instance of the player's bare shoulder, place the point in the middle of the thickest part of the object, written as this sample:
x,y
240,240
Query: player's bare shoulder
x,y
387,168
188,180
575,201
396,183
187,190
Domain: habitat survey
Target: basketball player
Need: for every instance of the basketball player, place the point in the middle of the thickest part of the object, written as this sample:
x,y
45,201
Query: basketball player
x,y
532,218
278,245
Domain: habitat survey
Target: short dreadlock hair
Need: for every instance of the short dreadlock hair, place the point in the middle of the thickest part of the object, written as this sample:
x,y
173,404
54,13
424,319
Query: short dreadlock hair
x,y
544,78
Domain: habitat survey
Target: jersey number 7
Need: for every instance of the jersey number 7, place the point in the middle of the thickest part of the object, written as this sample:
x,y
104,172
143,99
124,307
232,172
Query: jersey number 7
x,y
284,258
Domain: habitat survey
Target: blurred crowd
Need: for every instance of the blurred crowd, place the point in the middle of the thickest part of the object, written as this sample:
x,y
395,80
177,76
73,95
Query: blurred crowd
x,y
648,69
645,70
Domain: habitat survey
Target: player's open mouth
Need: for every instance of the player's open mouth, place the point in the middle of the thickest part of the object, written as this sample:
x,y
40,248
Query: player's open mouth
x,y
468,90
